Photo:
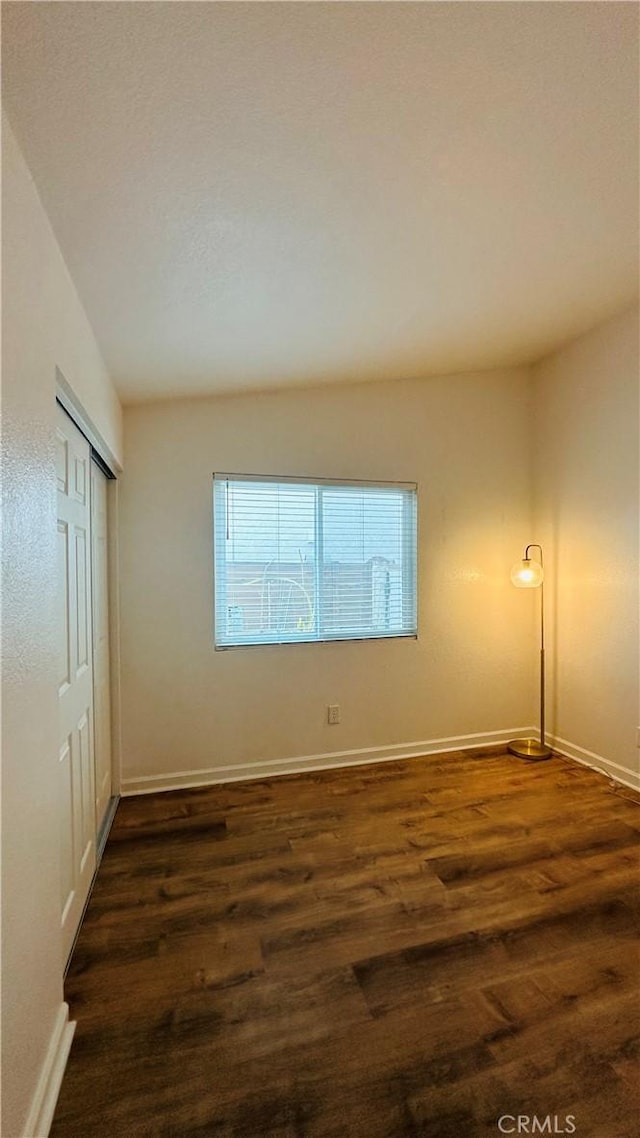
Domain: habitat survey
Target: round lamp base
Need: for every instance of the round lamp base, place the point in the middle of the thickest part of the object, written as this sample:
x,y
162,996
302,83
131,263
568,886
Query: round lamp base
x,y
529,749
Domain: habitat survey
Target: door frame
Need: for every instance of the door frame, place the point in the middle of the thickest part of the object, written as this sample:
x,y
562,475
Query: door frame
x,y
72,405
66,396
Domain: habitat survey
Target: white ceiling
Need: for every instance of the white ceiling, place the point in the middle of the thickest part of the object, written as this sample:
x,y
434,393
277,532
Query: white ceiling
x,y
259,194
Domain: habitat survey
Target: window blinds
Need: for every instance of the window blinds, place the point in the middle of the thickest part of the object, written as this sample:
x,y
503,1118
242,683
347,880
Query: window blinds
x,y
298,560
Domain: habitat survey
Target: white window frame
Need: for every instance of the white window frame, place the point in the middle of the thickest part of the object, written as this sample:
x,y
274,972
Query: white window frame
x,y
410,571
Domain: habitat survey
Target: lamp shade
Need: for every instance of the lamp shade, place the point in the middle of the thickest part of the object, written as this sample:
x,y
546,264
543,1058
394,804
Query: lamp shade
x,y
527,574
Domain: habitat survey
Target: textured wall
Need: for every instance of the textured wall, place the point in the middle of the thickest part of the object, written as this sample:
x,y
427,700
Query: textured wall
x,y
462,439
44,327
587,511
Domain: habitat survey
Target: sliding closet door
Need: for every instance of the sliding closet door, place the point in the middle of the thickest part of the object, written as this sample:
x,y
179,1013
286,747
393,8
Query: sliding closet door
x,y
100,605
75,677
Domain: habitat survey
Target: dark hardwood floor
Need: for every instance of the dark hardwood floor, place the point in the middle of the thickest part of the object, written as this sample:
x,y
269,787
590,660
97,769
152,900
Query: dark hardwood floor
x,y
410,949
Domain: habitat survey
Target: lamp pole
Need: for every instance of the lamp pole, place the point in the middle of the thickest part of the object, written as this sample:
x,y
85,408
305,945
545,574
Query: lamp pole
x,y
526,575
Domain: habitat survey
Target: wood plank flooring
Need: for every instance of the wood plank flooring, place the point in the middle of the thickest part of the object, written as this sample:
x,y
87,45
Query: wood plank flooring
x,y
408,949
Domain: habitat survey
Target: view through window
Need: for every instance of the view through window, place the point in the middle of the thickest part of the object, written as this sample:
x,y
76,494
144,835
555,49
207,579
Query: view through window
x,y
296,560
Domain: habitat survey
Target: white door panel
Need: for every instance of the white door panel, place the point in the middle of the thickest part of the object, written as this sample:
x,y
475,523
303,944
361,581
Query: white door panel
x,y
100,607
81,558
64,631
66,829
75,676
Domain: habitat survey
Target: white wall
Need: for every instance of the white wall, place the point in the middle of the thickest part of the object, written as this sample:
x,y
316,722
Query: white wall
x,y
44,327
188,708
587,508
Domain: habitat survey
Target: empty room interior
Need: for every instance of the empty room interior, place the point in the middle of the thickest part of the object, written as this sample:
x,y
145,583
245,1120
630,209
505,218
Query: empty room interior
x,y
320,569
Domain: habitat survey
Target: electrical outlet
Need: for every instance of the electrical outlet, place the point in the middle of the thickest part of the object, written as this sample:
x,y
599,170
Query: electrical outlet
x,y
333,713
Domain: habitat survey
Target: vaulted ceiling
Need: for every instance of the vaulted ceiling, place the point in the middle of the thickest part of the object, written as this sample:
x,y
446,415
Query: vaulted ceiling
x,y
260,194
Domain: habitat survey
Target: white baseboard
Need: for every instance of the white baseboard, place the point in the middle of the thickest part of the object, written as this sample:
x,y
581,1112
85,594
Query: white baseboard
x,y
46,1094
597,763
270,768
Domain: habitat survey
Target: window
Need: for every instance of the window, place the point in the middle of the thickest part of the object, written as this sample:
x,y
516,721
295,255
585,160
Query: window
x,y
296,560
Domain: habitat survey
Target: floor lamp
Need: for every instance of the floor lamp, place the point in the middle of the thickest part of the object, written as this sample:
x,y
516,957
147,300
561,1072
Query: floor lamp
x,y
529,574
